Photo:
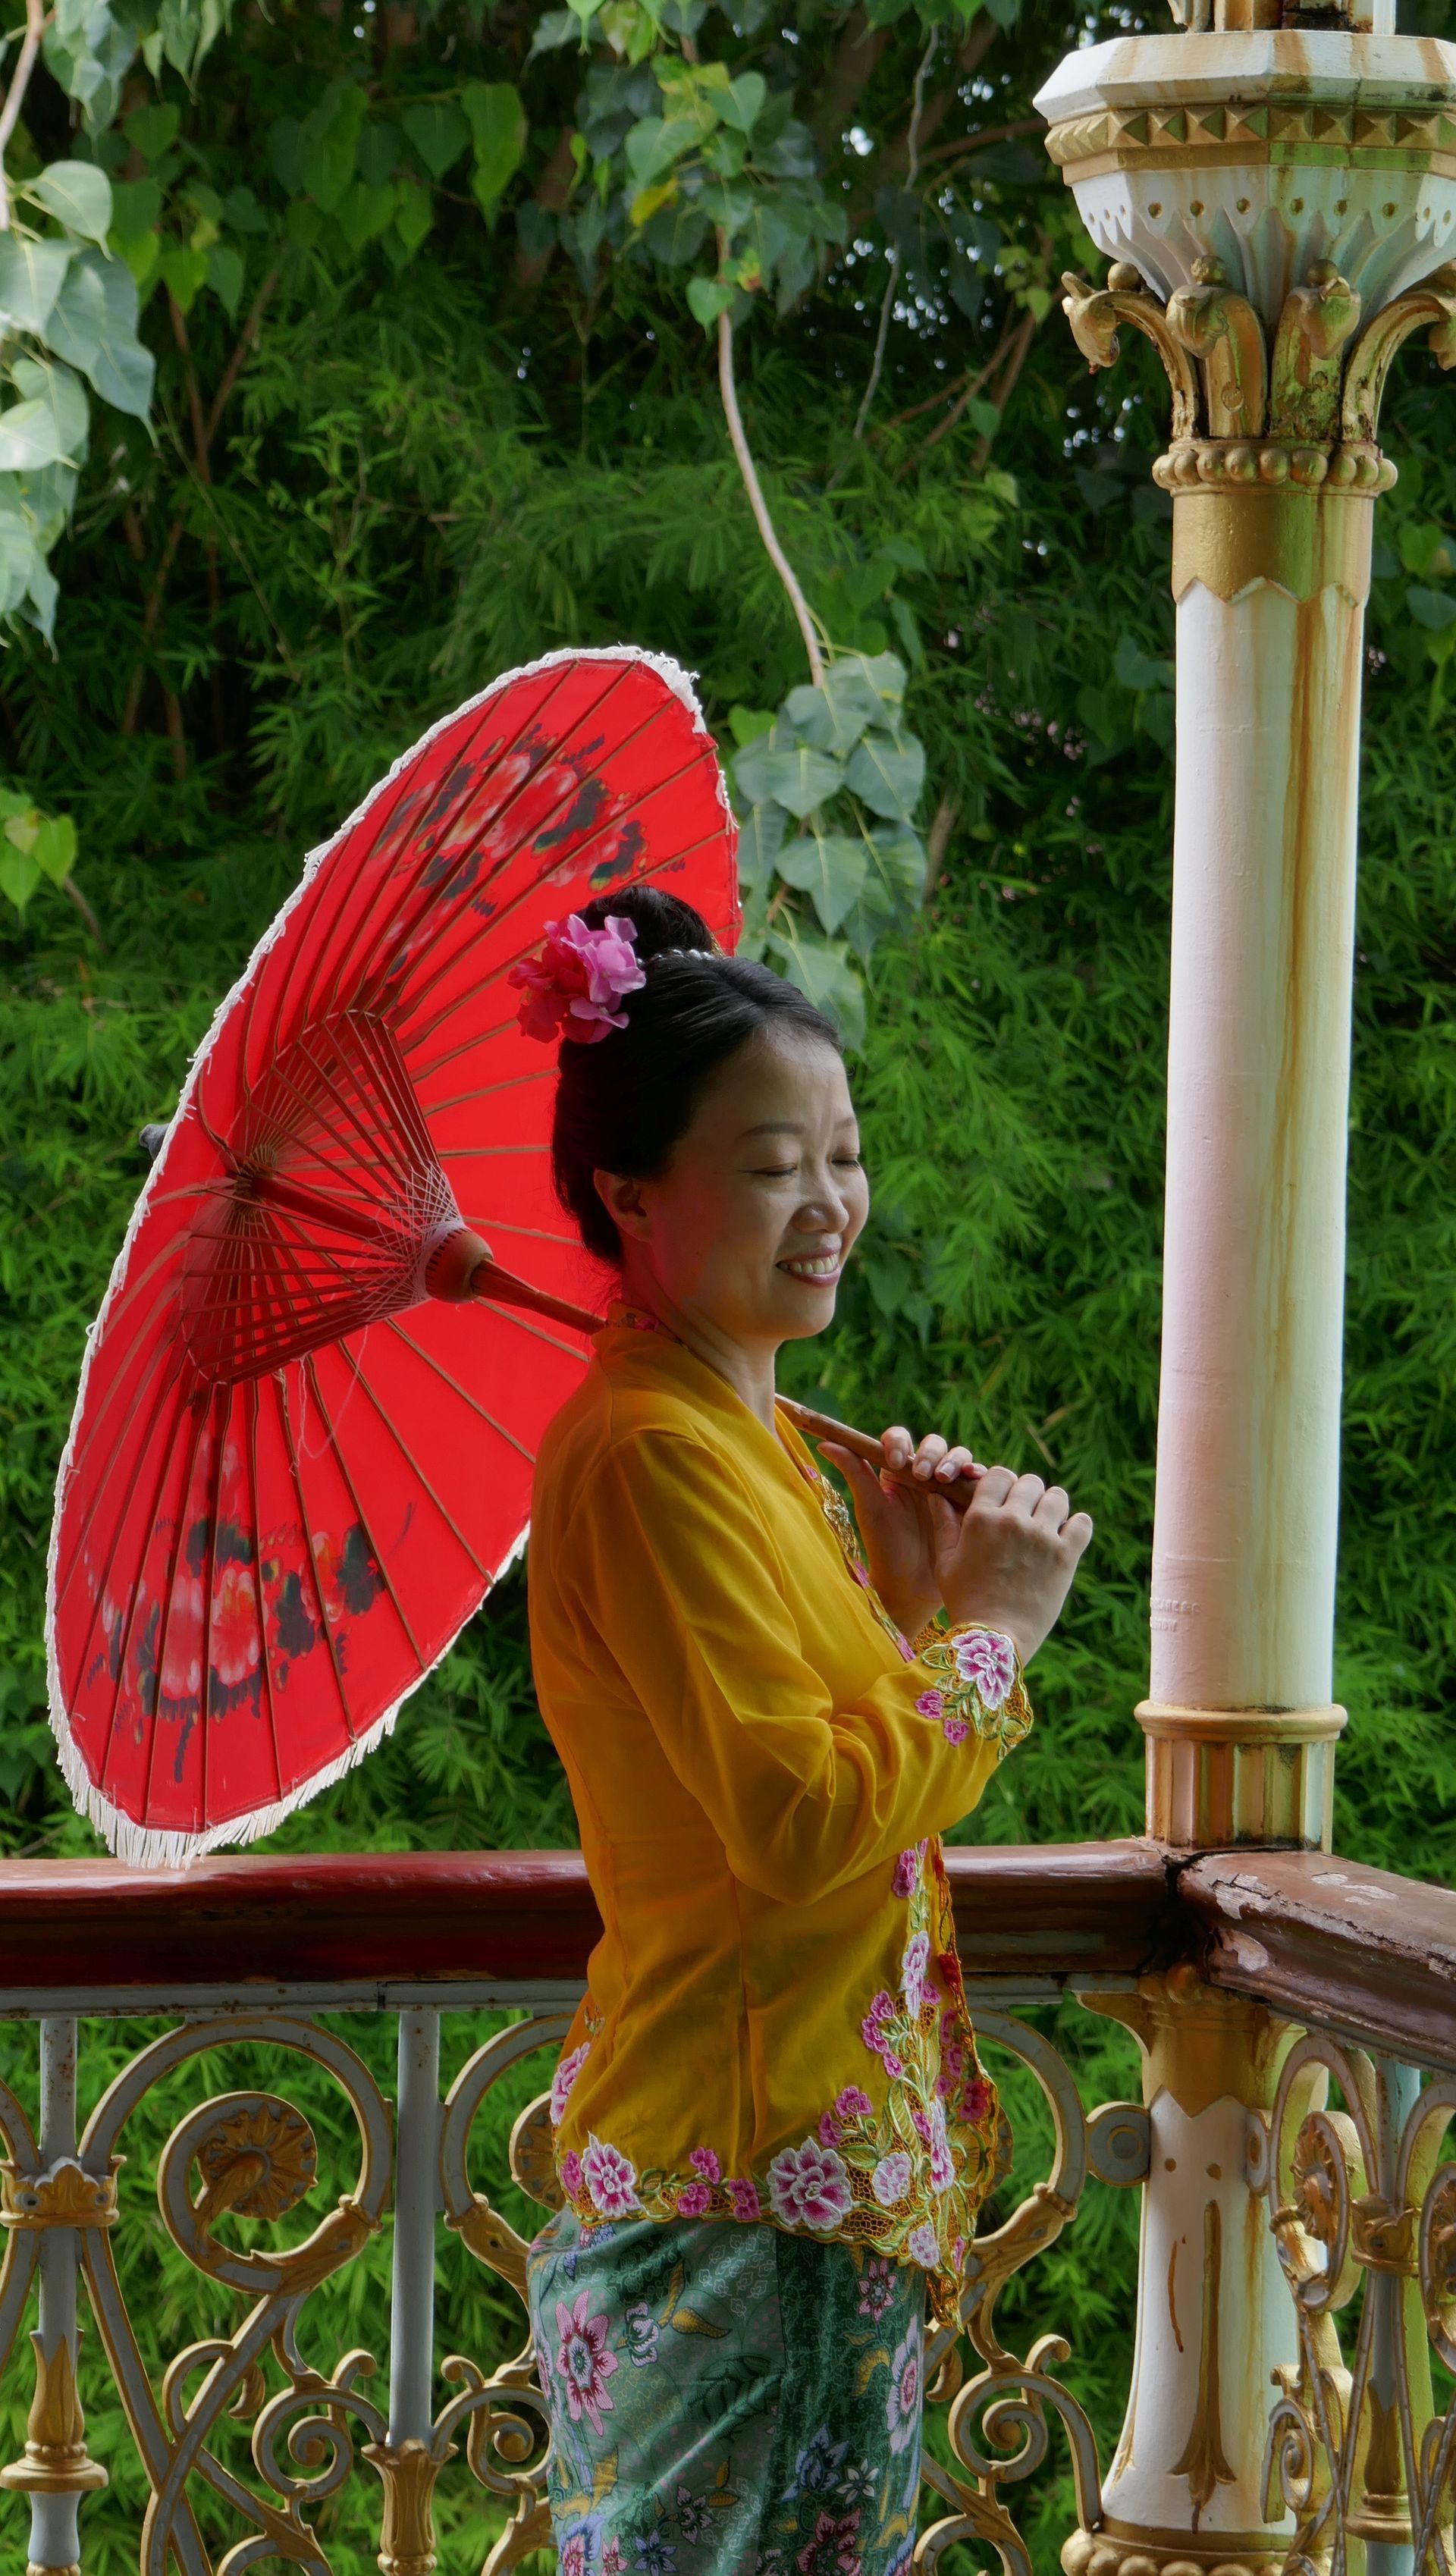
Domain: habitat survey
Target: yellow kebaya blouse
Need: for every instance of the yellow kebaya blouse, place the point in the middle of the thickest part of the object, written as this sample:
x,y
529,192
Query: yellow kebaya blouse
x,y
774,2028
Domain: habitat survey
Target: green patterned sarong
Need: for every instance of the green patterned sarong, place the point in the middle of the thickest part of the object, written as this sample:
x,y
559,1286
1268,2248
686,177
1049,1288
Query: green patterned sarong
x,y
727,2400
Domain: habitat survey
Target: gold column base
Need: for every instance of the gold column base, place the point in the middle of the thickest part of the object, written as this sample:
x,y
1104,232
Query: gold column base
x,y
1106,2552
1220,1777
408,2471
56,2460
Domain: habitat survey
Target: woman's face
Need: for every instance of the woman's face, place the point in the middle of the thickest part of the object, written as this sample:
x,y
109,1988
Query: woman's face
x,y
749,1228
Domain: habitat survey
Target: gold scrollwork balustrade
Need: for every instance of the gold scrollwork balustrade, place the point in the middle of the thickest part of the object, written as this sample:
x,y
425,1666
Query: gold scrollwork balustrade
x,y
1361,2451
250,2155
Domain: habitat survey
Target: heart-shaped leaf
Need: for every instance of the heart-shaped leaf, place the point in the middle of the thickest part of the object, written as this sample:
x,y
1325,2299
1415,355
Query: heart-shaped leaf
x,y
833,717
498,131
32,274
439,134
94,324
887,772
63,395
19,877
29,437
796,776
829,868
225,276
822,971
707,298
413,217
760,840
1433,609
741,104
54,848
77,194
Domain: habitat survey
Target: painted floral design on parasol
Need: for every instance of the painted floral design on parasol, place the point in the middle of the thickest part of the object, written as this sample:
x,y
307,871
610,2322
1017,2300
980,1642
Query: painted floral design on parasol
x,y
299,1457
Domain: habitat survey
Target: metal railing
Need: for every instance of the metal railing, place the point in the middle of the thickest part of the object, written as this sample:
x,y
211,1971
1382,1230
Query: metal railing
x,y
270,2437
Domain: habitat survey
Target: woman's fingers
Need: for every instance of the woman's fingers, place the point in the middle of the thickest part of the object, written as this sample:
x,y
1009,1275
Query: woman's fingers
x,y
1052,1510
860,1477
932,1460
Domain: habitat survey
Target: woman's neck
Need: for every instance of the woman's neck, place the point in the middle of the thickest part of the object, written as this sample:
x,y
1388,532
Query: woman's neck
x,y
748,1367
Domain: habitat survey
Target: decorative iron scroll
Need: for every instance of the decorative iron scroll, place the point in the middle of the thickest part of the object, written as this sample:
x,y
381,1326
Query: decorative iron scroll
x,y
251,2155
1361,2451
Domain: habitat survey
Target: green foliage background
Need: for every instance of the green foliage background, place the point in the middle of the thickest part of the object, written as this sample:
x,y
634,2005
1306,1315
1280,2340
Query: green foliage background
x,y
440,458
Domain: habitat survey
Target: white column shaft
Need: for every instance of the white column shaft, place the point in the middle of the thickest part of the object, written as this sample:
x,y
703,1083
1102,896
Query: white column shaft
x,y
1258,1085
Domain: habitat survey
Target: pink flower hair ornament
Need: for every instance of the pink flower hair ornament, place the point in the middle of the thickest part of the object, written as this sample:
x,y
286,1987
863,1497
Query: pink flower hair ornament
x,y
573,988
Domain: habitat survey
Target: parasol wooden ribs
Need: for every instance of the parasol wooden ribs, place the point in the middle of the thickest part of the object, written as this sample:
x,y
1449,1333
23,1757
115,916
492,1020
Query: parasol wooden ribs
x,y
338,1212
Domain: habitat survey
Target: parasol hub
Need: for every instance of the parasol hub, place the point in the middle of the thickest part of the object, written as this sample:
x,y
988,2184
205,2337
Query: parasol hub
x,y
451,1268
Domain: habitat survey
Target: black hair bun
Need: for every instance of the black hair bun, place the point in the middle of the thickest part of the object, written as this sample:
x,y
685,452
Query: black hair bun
x,y
660,920
623,1103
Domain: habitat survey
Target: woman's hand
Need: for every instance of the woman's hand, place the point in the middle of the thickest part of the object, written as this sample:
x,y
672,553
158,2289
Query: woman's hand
x,y
896,1521
1007,1561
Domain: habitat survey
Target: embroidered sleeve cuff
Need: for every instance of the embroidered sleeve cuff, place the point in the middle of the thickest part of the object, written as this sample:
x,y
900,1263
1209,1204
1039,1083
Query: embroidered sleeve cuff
x,y
977,1686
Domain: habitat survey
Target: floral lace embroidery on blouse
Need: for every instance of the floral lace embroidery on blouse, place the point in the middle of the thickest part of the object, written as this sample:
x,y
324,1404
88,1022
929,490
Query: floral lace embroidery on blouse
x,y
904,2182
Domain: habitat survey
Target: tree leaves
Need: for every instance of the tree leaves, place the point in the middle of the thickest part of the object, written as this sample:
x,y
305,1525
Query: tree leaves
x,y
439,133
792,773
821,969
827,866
94,326
498,129
31,277
839,745
33,846
760,839
77,194
888,771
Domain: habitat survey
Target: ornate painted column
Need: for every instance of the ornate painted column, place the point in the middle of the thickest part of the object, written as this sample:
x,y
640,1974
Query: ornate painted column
x,y
1278,201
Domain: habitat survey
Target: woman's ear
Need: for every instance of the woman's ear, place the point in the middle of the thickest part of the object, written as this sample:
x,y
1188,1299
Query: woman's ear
x,y
622,1199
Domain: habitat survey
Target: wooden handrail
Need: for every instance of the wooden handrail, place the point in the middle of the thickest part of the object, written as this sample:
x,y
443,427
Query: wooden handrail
x,y
1047,1910
1321,1940
1327,1941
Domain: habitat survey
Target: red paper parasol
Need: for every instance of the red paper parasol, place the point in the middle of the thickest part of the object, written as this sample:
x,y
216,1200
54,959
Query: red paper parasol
x,y
293,1473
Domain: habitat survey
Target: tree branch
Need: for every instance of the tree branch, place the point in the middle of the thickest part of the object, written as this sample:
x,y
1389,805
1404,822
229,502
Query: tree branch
x,y
1006,361
888,298
856,60
36,16
966,144
938,107
204,432
759,506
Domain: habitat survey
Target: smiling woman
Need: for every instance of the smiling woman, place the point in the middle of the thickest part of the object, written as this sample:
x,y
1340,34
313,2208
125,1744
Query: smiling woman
x,y
771,2126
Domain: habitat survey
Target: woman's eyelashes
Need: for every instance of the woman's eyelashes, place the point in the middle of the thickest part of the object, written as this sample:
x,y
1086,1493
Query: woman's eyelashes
x,y
791,1171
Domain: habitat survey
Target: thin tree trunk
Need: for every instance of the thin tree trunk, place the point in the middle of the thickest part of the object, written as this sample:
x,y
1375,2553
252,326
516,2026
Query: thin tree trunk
x,y
759,506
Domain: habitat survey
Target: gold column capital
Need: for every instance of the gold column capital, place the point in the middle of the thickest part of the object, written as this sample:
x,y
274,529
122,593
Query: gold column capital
x,y
1274,434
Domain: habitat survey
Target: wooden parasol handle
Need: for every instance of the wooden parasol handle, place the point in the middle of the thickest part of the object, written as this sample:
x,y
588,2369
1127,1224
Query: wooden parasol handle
x,y
486,1279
